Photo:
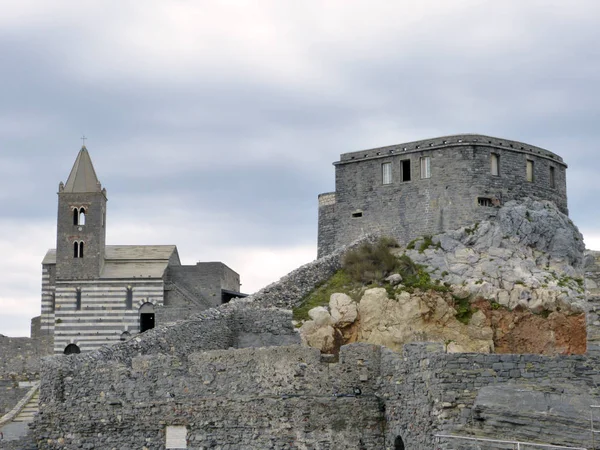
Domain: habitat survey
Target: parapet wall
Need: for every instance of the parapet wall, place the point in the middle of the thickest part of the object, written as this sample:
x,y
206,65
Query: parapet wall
x,y
457,189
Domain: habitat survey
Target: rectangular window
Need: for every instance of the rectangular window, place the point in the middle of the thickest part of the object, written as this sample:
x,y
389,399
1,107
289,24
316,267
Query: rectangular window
x,y
425,167
386,171
495,164
530,170
78,299
405,168
552,178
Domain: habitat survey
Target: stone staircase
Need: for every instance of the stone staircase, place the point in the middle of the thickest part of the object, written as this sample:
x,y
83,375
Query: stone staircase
x,y
15,425
29,410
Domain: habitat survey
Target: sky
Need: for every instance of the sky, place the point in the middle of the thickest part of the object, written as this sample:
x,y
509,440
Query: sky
x,y
213,124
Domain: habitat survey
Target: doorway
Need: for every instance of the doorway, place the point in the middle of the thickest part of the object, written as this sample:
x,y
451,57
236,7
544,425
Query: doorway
x,y
146,317
71,349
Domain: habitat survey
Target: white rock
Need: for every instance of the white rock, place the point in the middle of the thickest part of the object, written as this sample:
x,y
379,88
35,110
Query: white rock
x,y
343,309
394,279
320,315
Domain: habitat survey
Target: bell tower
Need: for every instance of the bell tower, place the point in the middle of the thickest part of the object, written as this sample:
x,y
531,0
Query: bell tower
x,y
81,227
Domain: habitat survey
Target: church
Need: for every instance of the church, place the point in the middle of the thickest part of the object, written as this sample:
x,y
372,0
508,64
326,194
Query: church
x,y
95,294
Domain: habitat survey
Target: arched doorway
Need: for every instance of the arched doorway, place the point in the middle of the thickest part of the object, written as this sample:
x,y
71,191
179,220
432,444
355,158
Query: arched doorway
x,y
72,349
146,317
398,443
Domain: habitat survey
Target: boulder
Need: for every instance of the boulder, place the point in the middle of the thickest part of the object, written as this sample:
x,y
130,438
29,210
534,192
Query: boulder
x,y
343,310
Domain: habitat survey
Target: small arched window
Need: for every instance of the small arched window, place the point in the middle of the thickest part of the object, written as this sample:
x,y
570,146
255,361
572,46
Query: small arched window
x,y
78,249
78,299
129,298
75,216
82,216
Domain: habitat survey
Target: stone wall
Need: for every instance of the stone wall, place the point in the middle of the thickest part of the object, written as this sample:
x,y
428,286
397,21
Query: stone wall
x,y
188,375
20,357
592,286
10,394
292,397
278,397
461,189
521,397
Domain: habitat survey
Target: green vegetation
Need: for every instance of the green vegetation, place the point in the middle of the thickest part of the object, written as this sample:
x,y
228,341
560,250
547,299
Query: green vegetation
x,y
339,282
496,306
464,312
471,231
427,243
365,267
371,262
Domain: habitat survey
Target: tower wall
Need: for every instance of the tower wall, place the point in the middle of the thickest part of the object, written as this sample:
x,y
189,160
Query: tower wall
x,y
92,234
461,188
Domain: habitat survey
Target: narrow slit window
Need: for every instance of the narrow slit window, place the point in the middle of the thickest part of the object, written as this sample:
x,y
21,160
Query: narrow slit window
x,y
495,164
386,173
405,166
425,167
552,178
357,214
78,299
529,170
129,298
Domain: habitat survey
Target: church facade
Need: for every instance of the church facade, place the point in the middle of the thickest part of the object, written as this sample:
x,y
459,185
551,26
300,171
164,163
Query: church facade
x,y
95,294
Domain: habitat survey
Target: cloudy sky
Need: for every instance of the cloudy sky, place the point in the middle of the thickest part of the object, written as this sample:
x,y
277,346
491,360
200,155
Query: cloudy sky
x,y
213,124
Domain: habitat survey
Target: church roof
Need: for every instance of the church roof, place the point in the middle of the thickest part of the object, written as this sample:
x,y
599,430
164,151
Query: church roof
x,y
132,261
83,176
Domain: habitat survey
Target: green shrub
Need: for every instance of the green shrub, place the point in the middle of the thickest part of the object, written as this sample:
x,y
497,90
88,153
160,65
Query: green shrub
x,y
427,243
464,312
371,262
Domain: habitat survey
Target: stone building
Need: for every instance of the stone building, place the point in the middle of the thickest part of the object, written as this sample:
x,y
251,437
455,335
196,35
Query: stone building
x,y
95,294
435,185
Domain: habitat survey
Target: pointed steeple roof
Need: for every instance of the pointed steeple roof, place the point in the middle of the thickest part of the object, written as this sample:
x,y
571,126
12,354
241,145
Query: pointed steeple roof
x,y
83,176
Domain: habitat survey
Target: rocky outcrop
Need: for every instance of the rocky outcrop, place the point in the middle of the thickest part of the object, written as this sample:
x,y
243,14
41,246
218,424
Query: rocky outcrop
x,y
514,285
530,256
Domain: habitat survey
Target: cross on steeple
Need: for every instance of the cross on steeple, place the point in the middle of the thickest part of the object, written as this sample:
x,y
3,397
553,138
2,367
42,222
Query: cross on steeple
x,y
83,138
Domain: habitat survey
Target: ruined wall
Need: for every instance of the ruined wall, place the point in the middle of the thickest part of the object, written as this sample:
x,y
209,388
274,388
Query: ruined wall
x,y
278,397
460,174
292,397
10,394
20,357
